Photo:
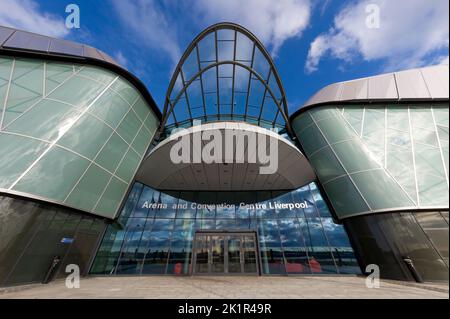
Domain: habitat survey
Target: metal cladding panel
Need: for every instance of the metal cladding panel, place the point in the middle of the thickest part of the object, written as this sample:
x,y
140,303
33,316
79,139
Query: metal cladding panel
x,y
437,82
411,85
92,52
427,83
382,87
5,33
66,47
355,90
329,93
27,41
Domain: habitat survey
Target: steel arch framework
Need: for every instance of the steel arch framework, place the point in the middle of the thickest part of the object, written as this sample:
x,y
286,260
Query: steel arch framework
x,y
172,100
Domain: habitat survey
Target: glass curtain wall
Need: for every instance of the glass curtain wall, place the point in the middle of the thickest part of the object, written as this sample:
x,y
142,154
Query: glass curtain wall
x,y
379,158
71,134
387,239
32,234
155,232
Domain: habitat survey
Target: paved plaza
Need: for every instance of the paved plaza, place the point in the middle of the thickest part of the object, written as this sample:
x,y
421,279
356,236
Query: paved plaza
x,y
228,287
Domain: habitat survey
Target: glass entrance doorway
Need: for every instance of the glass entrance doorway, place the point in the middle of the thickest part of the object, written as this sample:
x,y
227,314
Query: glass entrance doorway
x,y
225,253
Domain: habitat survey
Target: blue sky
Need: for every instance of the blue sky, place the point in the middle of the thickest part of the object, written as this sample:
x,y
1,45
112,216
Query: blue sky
x,y
313,43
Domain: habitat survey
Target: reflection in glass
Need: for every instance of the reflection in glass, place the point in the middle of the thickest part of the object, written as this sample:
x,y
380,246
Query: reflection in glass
x,y
288,241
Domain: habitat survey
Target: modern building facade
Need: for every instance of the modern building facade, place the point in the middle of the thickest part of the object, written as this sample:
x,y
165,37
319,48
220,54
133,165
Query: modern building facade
x,y
86,174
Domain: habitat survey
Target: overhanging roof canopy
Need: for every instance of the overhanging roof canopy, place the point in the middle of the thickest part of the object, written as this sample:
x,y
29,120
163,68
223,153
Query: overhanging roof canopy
x,y
159,171
226,74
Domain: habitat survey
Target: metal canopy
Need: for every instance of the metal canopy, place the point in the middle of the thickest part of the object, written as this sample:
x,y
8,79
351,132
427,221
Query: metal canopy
x,y
226,74
160,172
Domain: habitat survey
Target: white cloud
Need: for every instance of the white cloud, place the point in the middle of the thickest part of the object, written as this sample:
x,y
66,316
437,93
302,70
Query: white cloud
x,y
149,26
273,22
121,59
410,31
161,25
26,15
443,60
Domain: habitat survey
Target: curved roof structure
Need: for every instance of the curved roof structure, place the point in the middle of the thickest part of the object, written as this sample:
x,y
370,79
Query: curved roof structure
x,y
226,74
159,171
423,84
16,43
22,40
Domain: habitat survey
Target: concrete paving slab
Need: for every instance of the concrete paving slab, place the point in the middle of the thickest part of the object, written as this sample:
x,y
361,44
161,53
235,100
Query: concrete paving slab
x,y
273,287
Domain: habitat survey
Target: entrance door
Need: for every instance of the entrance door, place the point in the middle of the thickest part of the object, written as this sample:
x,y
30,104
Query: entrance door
x,y
225,253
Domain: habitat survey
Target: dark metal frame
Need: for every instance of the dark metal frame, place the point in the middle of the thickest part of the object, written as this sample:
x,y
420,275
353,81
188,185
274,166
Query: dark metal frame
x,y
169,104
225,234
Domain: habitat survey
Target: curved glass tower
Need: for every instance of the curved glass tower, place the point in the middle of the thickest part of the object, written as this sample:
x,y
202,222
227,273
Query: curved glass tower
x,y
379,147
74,127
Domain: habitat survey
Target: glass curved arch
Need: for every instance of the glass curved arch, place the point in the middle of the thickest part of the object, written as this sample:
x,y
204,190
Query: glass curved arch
x,y
226,74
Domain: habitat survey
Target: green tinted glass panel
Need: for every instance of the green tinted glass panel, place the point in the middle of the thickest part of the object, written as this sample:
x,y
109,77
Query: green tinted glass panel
x,y
128,166
110,107
345,198
125,90
5,71
78,91
431,180
89,189
421,116
17,153
320,114
54,175
401,166
87,136
141,108
425,136
312,139
55,74
152,123
374,124
112,153
47,120
112,197
129,127
373,186
326,165
301,122
441,115
397,118
26,88
98,74
354,157
335,130
354,117
142,140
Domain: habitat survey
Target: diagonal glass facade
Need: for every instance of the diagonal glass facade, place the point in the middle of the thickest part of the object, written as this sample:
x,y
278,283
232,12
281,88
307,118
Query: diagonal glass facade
x,y
70,134
155,232
379,158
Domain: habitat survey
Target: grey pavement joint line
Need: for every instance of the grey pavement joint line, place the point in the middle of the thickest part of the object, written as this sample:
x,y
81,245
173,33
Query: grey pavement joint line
x,y
205,287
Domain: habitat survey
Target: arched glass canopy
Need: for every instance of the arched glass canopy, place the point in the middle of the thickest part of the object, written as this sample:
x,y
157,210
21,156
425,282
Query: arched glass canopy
x,y
226,74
